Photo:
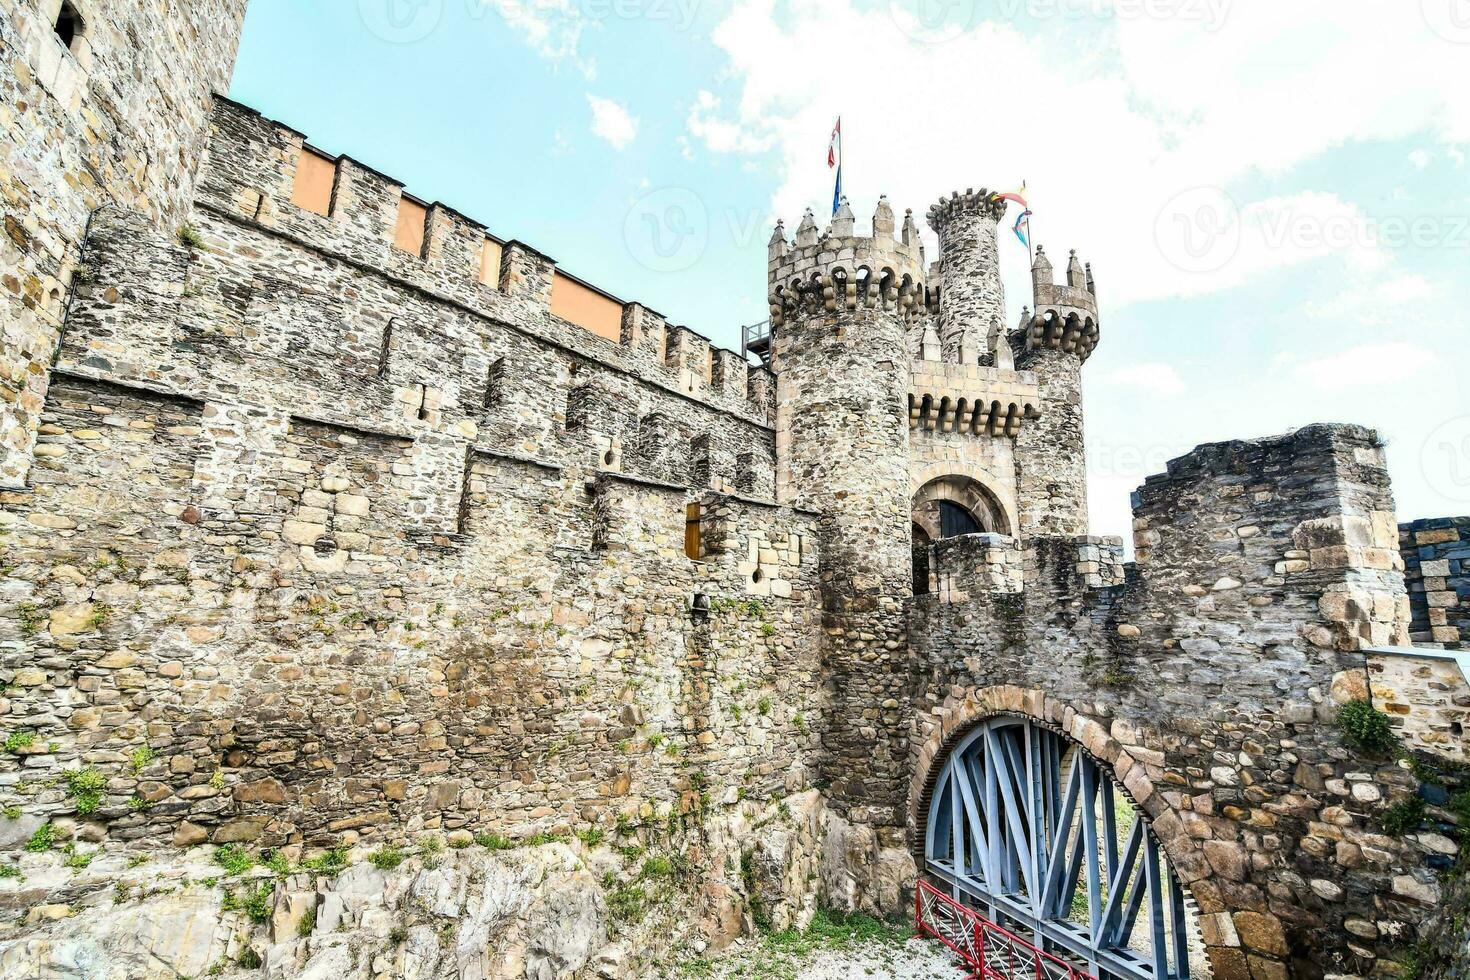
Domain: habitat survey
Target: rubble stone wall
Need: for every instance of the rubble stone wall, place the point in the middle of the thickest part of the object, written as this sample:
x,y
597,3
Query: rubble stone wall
x,y
1208,682
350,551
117,117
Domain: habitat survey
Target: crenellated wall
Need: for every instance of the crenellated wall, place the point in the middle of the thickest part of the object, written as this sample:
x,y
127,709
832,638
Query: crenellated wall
x,y
358,544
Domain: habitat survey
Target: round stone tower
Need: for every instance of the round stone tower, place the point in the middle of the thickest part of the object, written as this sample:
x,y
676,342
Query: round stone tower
x,y
839,311
972,299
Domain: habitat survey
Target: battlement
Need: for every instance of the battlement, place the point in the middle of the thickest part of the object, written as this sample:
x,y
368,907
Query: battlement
x,y
266,173
836,266
984,203
1066,314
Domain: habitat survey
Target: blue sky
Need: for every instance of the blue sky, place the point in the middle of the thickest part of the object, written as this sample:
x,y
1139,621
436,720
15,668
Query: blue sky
x,y
1274,197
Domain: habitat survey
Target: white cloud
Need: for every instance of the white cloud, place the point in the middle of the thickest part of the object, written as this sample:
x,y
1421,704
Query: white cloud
x,y
1109,125
612,122
1366,365
1421,159
1401,298
721,135
553,28
1149,376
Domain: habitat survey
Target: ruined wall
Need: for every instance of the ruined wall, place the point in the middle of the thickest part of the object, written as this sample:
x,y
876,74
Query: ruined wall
x,y
1208,683
117,117
1437,569
346,543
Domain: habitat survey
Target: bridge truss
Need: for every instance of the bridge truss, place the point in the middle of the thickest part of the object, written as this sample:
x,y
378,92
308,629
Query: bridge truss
x,y
1026,829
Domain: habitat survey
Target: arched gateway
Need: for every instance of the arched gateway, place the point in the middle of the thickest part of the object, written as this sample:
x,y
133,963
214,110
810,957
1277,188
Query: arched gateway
x,y
1026,828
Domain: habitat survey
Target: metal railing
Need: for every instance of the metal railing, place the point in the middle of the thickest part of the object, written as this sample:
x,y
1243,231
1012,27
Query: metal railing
x,y
992,952
755,338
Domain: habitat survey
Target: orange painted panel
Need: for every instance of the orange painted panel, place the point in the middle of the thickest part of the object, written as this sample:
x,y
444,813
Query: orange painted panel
x,y
315,175
490,263
585,307
409,233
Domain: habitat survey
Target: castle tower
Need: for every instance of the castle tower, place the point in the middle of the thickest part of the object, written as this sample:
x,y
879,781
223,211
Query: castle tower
x,y
117,97
839,306
972,299
1053,342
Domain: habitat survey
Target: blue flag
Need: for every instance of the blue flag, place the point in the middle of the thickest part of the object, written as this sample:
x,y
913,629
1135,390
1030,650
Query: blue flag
x,y
837,191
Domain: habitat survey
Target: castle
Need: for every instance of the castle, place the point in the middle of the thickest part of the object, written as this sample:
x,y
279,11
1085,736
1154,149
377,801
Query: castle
x,y
331,519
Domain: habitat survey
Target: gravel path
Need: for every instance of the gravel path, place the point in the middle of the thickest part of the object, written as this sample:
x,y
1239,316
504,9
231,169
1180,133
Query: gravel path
x,y
914,960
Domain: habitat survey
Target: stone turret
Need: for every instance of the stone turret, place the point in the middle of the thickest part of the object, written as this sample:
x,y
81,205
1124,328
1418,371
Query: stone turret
x,y
840,309
1056,339
971,296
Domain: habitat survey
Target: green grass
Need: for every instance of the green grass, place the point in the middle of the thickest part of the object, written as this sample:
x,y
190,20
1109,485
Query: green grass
x,y
658,867
42,840
255,901
387,857
10,871
75,859
1403,816
628,904
85,787
18,740
329,862
1367,728
234,859
306,923
189,237
139,758
494,842
277,862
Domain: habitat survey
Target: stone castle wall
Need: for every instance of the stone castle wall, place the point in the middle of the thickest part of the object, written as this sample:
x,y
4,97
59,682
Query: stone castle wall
x,y
1437,569
355,544
1208,682
117,118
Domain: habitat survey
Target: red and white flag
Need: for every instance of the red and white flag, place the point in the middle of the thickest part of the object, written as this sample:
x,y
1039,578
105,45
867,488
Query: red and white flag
x,y
834,146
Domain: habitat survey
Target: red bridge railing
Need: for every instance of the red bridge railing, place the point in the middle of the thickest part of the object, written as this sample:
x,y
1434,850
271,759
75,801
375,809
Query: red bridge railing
x,y
992,952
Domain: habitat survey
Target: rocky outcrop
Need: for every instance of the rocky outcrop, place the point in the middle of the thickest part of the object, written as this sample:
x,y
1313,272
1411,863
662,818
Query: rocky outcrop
x,y
436,909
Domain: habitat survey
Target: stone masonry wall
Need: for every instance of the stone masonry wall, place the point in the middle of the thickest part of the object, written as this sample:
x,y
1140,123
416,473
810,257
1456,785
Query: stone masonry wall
x,y
118,117
842,436
1437,569
1427,698
343,543
1208,683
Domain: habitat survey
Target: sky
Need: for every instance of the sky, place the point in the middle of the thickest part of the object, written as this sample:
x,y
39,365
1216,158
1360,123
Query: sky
x,y
1274,196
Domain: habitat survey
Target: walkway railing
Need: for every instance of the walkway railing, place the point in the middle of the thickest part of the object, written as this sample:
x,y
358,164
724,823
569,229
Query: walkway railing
x,y
992,952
